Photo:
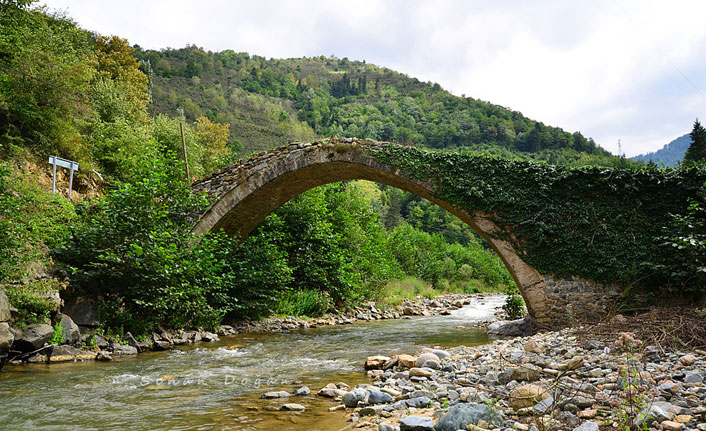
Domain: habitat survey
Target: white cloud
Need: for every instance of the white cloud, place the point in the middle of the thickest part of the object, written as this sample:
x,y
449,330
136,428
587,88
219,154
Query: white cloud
x,y
614,69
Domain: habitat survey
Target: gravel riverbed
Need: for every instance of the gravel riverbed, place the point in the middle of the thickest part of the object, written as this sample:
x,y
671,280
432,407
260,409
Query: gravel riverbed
x,y
553,380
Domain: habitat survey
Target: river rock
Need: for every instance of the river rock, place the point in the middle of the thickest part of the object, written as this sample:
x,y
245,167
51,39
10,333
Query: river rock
x,y
406,361
34,337
533,347
387,427
419,372
375,362
371,410
688,360
421,359
331,391
575,363
672,426
5,313
293,407
352,398
419,402
66,353
379,397
587,426
651,414
416,423
511,328
83,311
103,356
441,354
275,394
209,337
693,378
526,373
527,396
303,391
123,350
69,328
434,365
461,415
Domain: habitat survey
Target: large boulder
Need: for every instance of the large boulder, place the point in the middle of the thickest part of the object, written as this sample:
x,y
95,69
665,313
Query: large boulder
x,y
69,328
83,311
34,337
69,353
7,338
512,328
461,415
5,314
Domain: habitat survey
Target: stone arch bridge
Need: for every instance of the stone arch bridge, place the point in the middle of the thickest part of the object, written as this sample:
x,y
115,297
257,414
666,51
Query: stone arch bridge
x,y
246,192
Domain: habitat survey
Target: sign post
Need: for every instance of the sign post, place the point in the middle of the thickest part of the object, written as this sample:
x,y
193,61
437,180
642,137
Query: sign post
x,y
64,163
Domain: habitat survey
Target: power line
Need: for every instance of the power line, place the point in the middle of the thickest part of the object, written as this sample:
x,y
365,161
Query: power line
x,y
655,46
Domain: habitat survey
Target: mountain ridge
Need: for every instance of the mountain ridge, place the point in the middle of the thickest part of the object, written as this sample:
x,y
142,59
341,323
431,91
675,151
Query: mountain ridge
x,y
269,102
669,155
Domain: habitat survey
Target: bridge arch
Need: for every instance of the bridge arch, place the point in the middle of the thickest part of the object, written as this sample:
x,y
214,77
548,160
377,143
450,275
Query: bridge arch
x,y
247,192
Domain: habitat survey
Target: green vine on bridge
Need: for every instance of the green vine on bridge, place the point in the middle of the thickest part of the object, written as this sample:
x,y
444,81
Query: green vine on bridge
x,y
609,225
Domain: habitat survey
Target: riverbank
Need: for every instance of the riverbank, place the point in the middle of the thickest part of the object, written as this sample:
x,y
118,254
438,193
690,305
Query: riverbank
x,y
555,380
31,344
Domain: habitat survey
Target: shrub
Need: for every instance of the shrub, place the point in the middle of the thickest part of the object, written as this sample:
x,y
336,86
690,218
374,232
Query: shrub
x,y
514,306
133,250
309,303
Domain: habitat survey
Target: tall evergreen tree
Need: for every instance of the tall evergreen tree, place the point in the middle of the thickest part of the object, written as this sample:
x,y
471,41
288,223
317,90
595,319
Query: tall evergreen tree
x,y
697,150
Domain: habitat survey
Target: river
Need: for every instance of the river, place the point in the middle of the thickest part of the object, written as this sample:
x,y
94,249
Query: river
x,y
217,385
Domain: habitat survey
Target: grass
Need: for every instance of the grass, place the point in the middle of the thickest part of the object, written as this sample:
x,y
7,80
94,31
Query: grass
x,y
308,303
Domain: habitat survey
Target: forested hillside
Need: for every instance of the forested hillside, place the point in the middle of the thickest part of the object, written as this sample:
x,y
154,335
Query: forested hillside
x,y
670,155
271,102
86,97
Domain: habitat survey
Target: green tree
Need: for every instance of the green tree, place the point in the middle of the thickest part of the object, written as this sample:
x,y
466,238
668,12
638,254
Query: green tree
x,y
135,252
697,150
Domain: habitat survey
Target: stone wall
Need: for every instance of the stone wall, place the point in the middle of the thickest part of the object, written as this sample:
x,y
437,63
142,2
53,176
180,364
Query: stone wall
x,y
577,298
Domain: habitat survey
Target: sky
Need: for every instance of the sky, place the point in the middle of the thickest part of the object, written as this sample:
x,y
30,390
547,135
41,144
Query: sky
x,y
628,70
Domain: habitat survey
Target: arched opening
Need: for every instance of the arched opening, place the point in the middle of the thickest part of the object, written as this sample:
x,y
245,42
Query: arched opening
x,y
252,190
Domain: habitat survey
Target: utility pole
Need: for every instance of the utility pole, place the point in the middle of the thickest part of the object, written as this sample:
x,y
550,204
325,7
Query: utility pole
x,y
183,147
620,149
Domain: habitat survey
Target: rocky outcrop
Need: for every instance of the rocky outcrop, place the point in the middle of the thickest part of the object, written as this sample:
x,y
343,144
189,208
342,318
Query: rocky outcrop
x,y
34,337
83,311
70,330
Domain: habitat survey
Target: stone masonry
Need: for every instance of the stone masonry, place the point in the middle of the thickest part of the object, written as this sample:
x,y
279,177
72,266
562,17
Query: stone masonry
x,y
246,192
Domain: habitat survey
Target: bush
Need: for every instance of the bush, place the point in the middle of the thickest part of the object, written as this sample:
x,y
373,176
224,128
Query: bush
x,y
134,252
514,306
309,303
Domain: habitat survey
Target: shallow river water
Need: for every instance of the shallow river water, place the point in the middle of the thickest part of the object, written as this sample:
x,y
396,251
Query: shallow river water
x,y
217,385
